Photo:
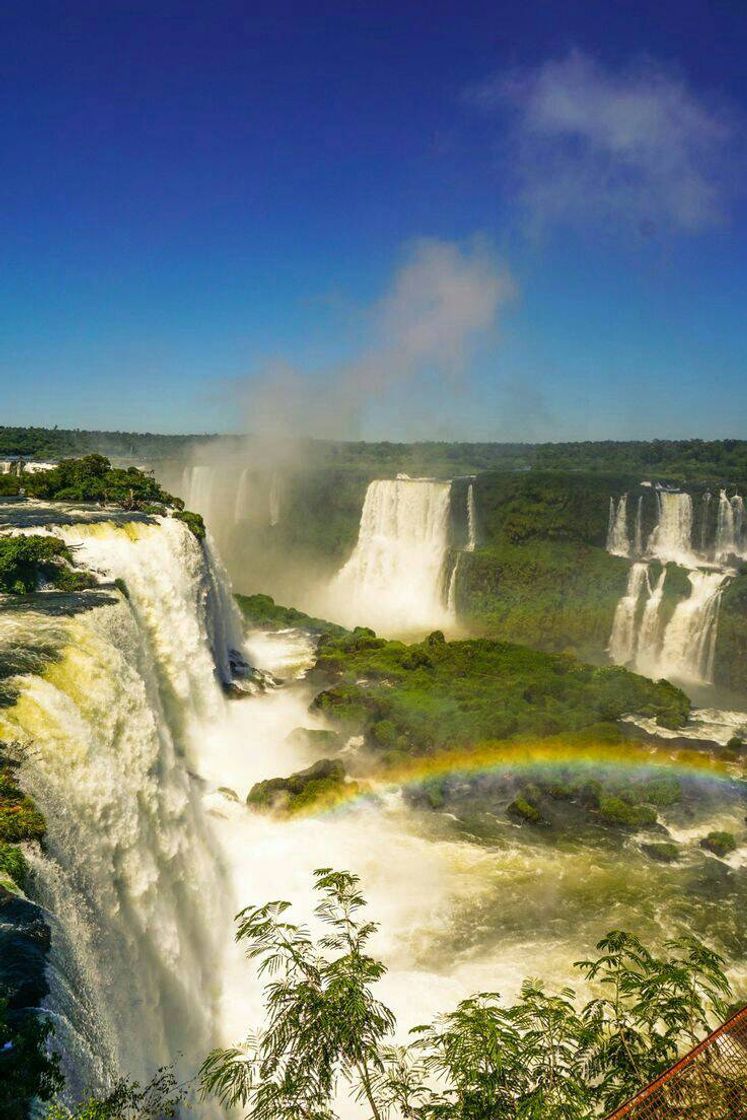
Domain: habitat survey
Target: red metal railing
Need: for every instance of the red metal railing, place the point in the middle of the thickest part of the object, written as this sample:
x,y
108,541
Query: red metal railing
x,y
709,1083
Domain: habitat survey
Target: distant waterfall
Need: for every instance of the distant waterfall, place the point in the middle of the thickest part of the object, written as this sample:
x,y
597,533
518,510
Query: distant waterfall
x,y
684,649
706,509
623,640
638,540
197,486
617,531
138,903
649,638
471,519
394,579
672,537
689,643
730,528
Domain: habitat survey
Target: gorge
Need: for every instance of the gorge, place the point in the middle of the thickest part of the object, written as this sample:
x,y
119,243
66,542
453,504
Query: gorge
x,y
153,708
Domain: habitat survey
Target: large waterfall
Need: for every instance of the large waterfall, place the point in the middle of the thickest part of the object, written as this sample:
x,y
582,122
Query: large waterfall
x,y
395,577
130,878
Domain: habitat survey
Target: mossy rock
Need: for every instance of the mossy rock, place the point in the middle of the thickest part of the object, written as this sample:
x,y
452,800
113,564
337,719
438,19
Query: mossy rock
x,y
324,781
663,852
615,811
21,820
523,810
315,737
13,864
719,843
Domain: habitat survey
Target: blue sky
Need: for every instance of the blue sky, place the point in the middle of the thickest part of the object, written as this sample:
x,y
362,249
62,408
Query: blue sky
x,y
194,196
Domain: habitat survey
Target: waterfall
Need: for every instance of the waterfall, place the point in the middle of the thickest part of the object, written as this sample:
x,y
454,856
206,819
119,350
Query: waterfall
x,y
689,643
672,537
197,487
617,531
706,509
451,596
394,579
638,540
683,650
729,528
471,520
623,640
113,729
649,637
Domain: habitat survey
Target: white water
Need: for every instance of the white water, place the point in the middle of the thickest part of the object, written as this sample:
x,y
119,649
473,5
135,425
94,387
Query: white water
x,y
684,647
689,642
730,540
617,530
471,519
648,645
622,646
671,540
130,877
132,739
394,579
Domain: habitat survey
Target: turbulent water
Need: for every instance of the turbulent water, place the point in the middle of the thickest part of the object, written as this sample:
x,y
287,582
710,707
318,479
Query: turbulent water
x,y
395,579
141,763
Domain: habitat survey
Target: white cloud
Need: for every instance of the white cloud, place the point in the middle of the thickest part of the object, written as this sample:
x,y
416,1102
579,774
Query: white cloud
x,y
636,145
421,334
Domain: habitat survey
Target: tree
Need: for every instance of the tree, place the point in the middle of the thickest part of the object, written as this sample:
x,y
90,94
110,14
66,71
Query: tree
x,y
323,1021
549,1056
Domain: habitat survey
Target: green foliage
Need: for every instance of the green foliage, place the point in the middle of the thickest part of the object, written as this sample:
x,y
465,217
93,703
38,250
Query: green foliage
x,y
323,1021
93,479
13,864
262,612
436,695
549,1056
193,521
26,560
161,1099
27,1070
524,811
662,852
614,810
19,818
720,843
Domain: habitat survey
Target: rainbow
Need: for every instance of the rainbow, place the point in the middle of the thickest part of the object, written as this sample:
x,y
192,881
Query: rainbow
x,y
628,758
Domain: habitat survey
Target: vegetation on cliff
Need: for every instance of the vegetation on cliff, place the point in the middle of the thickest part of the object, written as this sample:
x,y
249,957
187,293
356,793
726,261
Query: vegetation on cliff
x,y
263,613
27,1069
93,479
26,562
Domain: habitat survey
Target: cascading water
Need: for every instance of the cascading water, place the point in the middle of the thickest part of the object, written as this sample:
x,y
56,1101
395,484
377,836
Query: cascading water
x,y
638,540
649,638
671,540
471,519
394,580
689,642
623,640
729,528
617,532
129,878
